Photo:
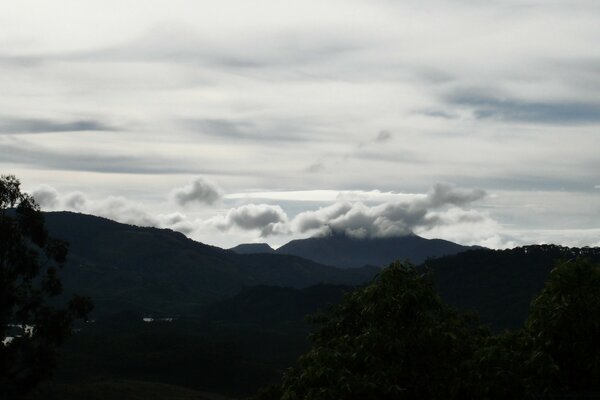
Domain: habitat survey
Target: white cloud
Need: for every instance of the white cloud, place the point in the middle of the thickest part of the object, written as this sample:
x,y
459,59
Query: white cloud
x,y
391,218
46,196
123,210
75,201
264,218
325,196
463,216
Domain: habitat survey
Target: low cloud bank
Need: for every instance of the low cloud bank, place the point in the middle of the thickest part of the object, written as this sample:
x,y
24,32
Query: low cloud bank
x,y
445,211
391,218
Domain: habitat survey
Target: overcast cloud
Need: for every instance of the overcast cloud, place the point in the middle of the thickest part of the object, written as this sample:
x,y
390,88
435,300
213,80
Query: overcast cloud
x,y
120,107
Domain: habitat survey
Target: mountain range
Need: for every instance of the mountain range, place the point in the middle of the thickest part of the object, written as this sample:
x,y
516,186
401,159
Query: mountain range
x,y
344,251
242,316
498,285
159,271
126,268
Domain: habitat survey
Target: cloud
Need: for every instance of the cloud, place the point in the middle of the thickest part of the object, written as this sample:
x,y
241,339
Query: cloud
x,y
76,201
442,194
200,191
23,152
485,106
255,50
265,218
116,208
359,150
123,210
383,136
246,130
38,125
178,222
46,196
316,167
437,113
391,218
314,220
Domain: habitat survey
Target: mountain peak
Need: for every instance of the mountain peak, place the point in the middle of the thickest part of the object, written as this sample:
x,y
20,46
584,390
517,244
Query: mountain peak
x,y
346,251
252,248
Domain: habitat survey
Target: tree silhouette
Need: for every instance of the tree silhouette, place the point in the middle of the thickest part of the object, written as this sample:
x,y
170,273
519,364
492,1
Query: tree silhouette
x,y
564,322
29,265
394,339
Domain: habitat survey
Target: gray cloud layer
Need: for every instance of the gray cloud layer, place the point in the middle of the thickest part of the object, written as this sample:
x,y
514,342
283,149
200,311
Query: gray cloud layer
x,y
28,125
244,130
485,106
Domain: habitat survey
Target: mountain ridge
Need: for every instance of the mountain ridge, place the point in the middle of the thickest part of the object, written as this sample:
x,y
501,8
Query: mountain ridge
x,y
344,251
152,270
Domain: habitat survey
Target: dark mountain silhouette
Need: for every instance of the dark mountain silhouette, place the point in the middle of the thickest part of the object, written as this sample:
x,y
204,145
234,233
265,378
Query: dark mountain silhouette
x,y
347,252
159,271
500,284
253,248
274,306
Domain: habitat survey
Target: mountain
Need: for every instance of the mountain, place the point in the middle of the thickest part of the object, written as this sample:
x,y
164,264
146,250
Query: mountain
x,y
274,306
499,285
347,252
253,248
159,271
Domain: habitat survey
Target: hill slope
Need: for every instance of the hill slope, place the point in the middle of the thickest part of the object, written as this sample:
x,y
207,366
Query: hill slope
x,y
497,284
149,270
344,251
500,284
252,248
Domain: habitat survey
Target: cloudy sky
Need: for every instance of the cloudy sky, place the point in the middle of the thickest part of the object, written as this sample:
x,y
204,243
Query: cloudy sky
x,y
250,121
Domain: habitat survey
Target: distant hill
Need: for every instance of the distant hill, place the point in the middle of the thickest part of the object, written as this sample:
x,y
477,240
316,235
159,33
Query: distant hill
x,y
253,248
159,271
347,252
500,284
273,306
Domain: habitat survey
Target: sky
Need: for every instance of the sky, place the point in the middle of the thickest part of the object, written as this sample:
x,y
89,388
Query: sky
x,y
267,121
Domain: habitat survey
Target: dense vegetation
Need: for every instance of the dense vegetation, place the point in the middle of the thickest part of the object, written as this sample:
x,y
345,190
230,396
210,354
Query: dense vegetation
x,y
499,285
29,263
396,339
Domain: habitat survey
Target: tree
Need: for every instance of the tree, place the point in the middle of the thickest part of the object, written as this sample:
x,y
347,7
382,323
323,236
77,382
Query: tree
x,y
29,265
394,339
564,323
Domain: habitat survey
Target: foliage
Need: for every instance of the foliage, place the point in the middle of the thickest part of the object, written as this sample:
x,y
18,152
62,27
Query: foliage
x,y
394,339
500,284
29,264
564,323
508,366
